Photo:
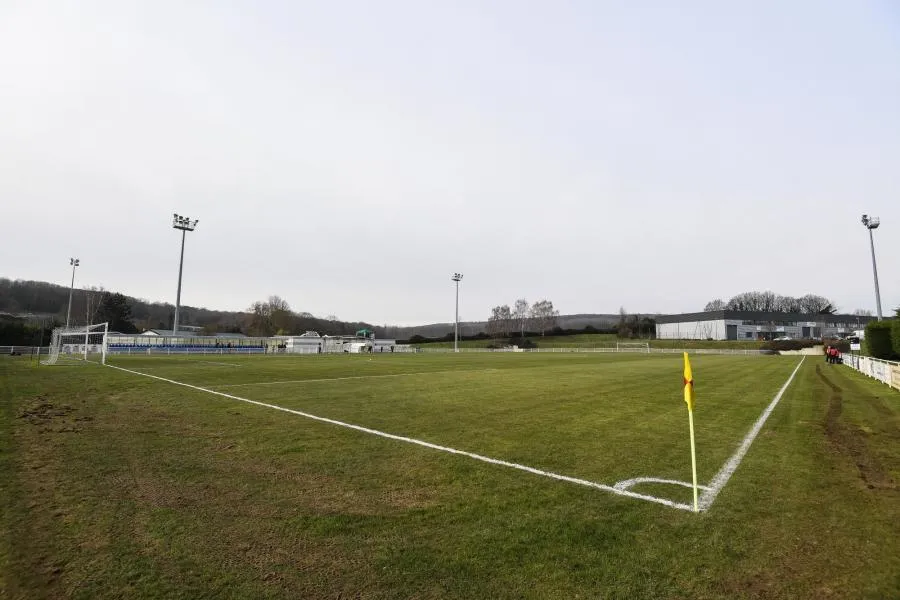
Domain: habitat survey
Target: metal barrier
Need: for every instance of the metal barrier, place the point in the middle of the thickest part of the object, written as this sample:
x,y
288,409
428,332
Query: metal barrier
x,y
885,371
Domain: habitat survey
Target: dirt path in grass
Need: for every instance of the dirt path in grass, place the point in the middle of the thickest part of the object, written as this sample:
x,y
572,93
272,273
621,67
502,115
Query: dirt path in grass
x,y
849,440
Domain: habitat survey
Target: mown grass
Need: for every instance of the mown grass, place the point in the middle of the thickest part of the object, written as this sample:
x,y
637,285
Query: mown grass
x,y
117,485
604,340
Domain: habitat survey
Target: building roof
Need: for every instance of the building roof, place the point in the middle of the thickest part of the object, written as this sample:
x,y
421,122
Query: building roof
x,y
745,315
189,333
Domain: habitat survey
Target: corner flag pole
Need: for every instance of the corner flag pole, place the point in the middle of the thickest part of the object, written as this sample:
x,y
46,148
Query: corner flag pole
x,y
693,458
689,400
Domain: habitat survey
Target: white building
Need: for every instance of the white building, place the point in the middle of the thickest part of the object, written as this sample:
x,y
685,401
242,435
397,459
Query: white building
x,y
744,325
313,343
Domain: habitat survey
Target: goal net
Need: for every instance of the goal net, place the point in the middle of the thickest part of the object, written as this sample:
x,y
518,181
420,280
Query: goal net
x,y
633,347
78,345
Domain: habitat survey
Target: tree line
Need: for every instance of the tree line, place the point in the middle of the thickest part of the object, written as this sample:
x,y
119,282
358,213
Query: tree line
x,y
504,321
771,302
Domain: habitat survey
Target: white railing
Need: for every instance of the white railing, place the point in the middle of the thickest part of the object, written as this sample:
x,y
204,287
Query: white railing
x,y
23,350
602,349
885,371
150,350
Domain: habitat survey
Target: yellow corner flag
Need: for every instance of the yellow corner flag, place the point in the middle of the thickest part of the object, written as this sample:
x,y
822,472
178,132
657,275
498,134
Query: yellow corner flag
x,y
688,383
689,400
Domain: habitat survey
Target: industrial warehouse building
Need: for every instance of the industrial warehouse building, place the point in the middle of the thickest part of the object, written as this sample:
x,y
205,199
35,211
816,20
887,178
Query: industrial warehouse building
x,y
743,325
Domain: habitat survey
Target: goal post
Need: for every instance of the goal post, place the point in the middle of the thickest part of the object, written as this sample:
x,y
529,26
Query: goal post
x,y
74,345
633,347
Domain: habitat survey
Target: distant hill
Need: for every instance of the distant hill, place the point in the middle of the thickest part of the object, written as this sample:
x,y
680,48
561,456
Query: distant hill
x,y
437,330
39,301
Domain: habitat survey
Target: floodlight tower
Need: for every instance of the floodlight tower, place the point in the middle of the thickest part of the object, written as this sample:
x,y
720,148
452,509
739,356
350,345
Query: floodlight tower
x,y
871,223
184,224
456,278
73,262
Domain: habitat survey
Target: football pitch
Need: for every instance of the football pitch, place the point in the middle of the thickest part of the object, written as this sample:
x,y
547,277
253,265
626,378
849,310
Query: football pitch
x,y
453,475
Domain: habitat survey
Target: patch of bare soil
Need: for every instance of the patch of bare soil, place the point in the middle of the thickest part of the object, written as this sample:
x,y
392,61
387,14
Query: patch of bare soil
x,y
52,417
849,440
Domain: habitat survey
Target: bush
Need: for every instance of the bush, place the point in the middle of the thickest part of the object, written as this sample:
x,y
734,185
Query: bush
x,y
895,336
878,339
788,345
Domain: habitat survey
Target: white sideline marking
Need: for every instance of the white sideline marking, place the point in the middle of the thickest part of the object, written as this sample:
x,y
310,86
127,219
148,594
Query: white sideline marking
x,y
391,436
212,362
628,483
231,385
728,469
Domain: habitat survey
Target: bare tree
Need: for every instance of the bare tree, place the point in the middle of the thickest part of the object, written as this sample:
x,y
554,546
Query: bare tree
x,y
92,297
862,312
500,321
544,316
812,304
624,329
717,304
271,317
788,304
769,302
521,315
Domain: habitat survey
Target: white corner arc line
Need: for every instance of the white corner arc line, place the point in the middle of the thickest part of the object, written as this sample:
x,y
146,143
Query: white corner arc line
x,y
628,483
731,465
400,438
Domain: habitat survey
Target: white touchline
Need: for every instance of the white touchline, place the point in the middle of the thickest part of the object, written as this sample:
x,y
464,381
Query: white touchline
x,y
391,436
286,381
731,465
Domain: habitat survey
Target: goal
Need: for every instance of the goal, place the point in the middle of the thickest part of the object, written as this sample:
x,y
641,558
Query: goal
x,y
78,345
632,347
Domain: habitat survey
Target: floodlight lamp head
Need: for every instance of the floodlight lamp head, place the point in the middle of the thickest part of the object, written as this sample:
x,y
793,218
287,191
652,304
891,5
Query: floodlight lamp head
x,y
183,223
871,222
73,262
457,277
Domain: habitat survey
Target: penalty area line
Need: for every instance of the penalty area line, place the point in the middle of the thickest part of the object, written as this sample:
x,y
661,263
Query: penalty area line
x,y
408,440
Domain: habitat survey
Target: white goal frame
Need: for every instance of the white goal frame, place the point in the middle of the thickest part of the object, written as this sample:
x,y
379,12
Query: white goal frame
x,y
78,344
633,347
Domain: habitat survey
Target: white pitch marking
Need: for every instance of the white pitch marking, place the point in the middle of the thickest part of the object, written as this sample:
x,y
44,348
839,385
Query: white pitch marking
x,y
628,483
728,469
212,362
391,436
231,385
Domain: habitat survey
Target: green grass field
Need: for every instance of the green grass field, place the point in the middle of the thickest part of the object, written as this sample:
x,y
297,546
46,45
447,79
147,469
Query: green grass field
x,y
605,340
115,484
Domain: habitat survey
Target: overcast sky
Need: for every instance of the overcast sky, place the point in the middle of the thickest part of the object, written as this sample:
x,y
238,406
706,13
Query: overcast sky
x,y
351,155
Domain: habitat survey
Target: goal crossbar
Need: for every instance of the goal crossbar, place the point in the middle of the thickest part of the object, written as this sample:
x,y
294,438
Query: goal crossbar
x,y
633,347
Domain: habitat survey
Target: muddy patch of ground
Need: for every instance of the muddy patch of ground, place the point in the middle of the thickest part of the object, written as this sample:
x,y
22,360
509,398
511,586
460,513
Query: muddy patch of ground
x,y
850,441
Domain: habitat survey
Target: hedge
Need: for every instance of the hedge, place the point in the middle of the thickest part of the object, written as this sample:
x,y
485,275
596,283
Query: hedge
x,y
878,338
895,336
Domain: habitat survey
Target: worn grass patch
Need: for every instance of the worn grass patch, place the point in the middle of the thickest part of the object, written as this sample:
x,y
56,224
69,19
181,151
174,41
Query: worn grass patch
x,y
117,485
